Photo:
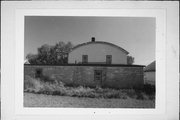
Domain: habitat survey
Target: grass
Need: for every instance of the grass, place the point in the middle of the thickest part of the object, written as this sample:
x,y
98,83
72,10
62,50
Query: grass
x,y
53,87
43,100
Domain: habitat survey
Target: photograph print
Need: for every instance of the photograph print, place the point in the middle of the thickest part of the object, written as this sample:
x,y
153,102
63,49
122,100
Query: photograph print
x,y
89,62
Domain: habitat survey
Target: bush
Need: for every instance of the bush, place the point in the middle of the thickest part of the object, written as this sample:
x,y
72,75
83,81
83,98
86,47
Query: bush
x,y
80,92
38,86
140,96
28,82
47,79
32,85
59,88
130,93
115,94
149,89
151,97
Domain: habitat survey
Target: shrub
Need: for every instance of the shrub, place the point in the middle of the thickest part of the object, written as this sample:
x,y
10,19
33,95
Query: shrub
x,y
99,89
149,89
38,86
28,82
140,96
44,78
115,94
151,97
80,92
59,88
130,93
32,85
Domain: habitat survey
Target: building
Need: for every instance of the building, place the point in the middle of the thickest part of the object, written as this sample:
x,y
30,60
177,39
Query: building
x,y
93,64
91,75
97,52
150,73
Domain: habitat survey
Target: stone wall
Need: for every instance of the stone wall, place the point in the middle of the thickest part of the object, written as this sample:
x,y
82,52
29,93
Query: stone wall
x,y
112,76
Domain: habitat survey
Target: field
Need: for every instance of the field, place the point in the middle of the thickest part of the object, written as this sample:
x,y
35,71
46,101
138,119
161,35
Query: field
x,y
42,100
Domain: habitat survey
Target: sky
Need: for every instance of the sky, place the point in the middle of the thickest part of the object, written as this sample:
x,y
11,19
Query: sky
x,y
134,34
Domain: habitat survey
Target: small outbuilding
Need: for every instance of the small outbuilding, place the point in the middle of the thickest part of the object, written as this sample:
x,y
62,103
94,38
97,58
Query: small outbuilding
x,y
150,73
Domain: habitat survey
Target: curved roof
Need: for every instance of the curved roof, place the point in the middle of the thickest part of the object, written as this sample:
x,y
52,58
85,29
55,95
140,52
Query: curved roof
x,y
150,67
101,42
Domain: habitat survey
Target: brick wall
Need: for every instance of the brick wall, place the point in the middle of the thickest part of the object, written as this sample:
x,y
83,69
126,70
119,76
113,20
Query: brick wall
x,y
112,76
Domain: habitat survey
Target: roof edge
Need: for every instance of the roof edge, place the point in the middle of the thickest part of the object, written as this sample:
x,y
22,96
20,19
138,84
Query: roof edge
x,y
105,65
77,46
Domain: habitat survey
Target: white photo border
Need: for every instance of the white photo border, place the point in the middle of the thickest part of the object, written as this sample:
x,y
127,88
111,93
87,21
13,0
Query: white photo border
x,y
164,87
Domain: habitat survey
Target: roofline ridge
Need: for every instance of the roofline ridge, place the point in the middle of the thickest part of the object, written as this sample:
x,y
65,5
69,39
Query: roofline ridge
x,y
99,42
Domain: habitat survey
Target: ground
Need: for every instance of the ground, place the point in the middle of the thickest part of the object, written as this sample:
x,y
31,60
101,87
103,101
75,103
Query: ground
x,y
41,100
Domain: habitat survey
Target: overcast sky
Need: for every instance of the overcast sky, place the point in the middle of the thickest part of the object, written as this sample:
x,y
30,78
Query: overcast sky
x,y
134,34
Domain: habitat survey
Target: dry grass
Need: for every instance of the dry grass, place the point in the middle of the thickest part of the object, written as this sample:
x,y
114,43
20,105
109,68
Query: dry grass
x,y
42,100
39,86
56,94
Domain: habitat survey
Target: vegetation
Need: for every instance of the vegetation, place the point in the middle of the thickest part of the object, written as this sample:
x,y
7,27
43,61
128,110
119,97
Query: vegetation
x,y
41,86
130,60
57,54
55,101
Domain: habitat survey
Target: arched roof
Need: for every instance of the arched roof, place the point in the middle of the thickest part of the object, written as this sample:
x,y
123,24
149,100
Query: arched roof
x,y
100,42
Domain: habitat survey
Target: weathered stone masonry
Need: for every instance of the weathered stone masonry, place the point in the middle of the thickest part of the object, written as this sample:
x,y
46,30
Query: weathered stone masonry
x,y
111,76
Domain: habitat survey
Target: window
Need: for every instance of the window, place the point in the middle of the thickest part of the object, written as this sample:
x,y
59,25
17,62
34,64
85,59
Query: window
x,y
84,58
98,75
108,59
38,73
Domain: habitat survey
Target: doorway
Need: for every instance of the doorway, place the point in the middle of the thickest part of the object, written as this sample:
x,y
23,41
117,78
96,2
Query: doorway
x,y
98,77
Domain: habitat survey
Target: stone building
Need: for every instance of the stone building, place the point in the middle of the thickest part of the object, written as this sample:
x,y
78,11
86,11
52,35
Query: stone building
x,y
93,64
111,76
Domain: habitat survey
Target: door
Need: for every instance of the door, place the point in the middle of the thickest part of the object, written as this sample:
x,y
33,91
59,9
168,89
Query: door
x,y
98,77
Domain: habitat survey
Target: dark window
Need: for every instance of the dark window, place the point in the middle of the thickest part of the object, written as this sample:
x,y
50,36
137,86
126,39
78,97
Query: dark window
x,y
98,75
38,73
84,58
108,59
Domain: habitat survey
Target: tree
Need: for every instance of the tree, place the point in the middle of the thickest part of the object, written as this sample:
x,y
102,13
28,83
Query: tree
x,y
32,59
130,60
60,52
57,54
